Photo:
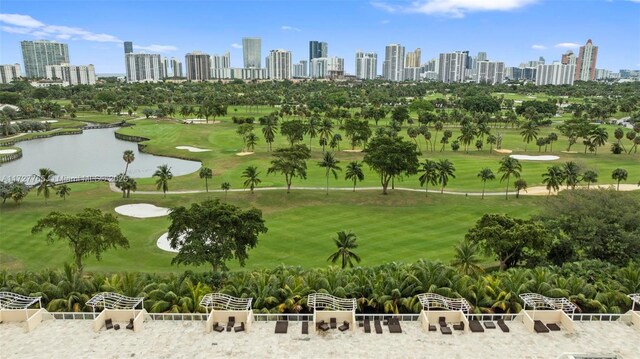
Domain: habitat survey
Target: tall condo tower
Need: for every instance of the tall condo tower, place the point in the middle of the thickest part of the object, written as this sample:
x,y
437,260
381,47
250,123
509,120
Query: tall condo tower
x,y
251,49
37,55
393,66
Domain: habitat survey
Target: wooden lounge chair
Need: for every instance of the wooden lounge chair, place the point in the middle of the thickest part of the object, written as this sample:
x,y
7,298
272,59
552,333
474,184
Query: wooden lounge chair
x,y
108,324
377,326
475,326
432,328
305,327
344,326
442,321
231,323
116,327
367,325
446,330
218,328
323,326
395,328
539,327
239,328
553,327
281,327
490,325
130,325
459,326
503,326
333,322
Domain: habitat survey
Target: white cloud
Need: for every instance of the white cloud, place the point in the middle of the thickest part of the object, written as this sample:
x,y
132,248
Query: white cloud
x,y
288,28
567,45
20,20
452,8
236,46
156,48
538,47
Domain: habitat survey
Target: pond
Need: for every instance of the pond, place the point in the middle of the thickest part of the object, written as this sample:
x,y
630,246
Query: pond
x,y
94,153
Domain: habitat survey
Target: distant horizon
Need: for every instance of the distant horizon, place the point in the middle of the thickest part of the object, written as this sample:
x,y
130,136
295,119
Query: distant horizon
x,y
511,31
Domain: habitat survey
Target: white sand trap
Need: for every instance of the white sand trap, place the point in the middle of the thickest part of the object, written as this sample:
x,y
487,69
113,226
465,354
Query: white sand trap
x,y
49,121
571,152
163,243
199,121
535,158
503,151
142,210
244,153
193,149
351,150
6,152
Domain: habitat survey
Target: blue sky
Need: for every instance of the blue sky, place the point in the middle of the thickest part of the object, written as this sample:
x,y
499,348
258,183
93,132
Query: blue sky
x,y
512,31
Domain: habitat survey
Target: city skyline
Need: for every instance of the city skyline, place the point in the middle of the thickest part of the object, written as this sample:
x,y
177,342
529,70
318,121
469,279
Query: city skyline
x,y
511,31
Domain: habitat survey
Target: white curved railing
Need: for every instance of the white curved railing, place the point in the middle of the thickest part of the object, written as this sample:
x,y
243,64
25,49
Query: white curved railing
x,y
110,300
10,300
539,301
323,301
437,301
223,301
635,297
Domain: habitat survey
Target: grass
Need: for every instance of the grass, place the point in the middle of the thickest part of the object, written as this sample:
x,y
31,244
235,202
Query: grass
x,y
403,226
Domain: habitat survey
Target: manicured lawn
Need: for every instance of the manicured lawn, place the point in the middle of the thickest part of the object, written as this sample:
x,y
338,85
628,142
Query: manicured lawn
x,y
403,226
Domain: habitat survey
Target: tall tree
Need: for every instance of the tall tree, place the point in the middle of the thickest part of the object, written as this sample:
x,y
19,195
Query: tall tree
x,y
429,175
599,137
529,132
89,232
571,174
468,133
486,174
330,164
520,185
225,186
45,178
207,174
164,176
63,191
293,130
445,169
354,173
619,174
466,258
391,157
269,131
346,243
291,162
214,232
509,167
252,180
590,177
553,178
128,156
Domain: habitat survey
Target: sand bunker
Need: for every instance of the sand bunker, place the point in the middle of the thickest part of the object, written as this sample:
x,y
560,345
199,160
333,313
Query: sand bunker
x,y
49,121
142,210
535,158
163,243
192,149
351,150
6,152
198,121
244,153
503,151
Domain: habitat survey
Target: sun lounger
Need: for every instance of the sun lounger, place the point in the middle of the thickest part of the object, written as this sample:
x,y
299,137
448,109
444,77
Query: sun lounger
x,y
333,322
539,327
367,325
503,326
432,328
445,330
442,321
116,327
553,327
377,326
281,327
475,326
130,325
395,328
218,328
108,324
344,326
239,328
459,326
490,325
305,327
323,326
231,323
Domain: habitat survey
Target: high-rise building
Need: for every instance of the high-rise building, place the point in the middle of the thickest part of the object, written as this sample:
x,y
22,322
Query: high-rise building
x,y
318,49
128,47
412,73
300,69
586,64
327,67
280,65
165,66
72,75
629,74
251,50
176,67
452,67
366,65
198,66
569,58
144,67
9,73
555,74
413,58
482,56
491,72
220,66
393,65
36,55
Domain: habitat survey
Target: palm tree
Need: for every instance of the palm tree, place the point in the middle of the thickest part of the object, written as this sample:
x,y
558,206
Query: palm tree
x,y
312,129
465,258
45,177
429,175
438,126
206,173
354,173
521,185
619,174
164,176
486,175
468,134
571,174
553,178
552,137
269,131
225,186
445,170
509,167
128,156
529,132
590,177
330,163
63,191
325,132
335,141
346,243
251,174
251,141
599,137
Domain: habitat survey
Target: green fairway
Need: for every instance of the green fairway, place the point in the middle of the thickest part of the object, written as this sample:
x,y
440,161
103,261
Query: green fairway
x,y
403,226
